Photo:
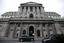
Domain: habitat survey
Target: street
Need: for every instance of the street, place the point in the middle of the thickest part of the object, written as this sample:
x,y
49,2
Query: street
x,y
16,41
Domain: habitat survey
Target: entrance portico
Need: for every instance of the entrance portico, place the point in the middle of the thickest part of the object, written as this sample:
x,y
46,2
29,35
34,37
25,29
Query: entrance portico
x,y
31,31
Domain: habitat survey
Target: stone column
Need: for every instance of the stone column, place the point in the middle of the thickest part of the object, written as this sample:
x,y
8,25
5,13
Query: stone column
x,y
27,30
33,9
42,31
38,12
35,32
58,28
14,31
38,9
47,29
29,9
42,9
54,29
21,29
7,30
24,10
20,9
19,12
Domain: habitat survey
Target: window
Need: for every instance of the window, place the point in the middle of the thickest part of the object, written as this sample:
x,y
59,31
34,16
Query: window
x,y
31,15
38,33
24,32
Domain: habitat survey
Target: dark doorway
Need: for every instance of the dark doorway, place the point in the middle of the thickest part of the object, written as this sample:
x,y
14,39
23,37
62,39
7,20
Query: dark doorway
x,y
24,32
31,31
38,33
31,15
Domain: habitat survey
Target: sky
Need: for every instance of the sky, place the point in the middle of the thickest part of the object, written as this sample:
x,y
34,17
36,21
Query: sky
x,y
49,5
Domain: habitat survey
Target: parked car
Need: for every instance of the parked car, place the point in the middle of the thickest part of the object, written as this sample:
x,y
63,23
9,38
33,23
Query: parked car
x,y
54,38
26,38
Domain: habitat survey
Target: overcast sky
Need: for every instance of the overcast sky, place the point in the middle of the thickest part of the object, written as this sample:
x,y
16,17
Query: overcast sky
x,y
50,5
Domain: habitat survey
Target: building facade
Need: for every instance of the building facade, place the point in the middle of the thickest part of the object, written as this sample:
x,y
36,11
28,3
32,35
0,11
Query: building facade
x,y
32,20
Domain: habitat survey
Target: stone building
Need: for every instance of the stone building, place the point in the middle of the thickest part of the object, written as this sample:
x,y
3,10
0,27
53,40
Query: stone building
x,y
30,19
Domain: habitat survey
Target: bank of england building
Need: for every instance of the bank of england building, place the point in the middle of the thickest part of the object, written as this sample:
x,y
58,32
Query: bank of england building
x,y
31,19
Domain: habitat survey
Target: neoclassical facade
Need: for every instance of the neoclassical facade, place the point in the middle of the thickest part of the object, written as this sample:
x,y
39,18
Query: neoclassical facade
x,y
31,19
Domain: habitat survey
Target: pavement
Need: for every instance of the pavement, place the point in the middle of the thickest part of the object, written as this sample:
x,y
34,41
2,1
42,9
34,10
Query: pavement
x,y
16,41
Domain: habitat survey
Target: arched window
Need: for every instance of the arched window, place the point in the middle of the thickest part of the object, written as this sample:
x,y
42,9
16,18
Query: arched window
x,y
31,15
38,33
24,32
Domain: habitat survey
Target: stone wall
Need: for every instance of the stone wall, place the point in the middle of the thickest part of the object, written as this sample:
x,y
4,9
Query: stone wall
x,y
16,30
3,27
